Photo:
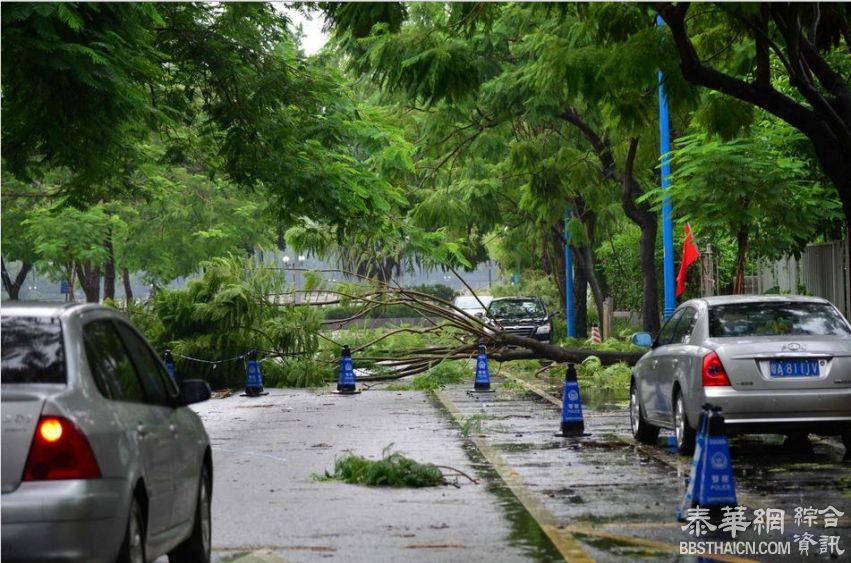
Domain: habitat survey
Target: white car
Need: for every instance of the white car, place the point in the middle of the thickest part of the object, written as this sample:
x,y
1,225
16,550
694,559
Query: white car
x,y
473,306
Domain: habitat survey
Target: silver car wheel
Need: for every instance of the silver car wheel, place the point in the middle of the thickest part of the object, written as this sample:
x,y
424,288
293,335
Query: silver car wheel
x,y
204,500
136,549
634,412
679,421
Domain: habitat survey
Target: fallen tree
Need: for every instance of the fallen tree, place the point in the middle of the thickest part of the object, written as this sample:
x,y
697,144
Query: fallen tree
x,y
442,316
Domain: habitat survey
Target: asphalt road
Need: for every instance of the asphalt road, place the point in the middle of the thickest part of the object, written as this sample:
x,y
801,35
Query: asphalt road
x,y
266,449
540,498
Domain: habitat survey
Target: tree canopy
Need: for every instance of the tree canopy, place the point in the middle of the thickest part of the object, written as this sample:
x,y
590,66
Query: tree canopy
x,y
444,135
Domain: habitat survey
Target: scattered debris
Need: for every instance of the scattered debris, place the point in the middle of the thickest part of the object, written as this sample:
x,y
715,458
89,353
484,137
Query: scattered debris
x,y
392,470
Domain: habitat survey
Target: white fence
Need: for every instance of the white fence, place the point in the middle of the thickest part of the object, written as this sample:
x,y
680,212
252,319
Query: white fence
x,y
822,271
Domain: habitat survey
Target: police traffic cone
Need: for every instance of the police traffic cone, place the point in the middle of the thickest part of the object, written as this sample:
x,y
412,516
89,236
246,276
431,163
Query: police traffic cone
x,y
169,364
253,377
482,383
571,407
346,384
690,498
714,487
595,334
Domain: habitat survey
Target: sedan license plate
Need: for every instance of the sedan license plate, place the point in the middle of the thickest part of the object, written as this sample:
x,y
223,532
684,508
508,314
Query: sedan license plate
x,y
794,368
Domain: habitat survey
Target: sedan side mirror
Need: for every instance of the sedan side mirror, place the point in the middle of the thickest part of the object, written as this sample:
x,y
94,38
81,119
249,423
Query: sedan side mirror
x,y
555,314
194,391
642,339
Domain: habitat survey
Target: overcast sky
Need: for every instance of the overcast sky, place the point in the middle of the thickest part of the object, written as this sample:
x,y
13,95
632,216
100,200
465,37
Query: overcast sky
x,y
314,38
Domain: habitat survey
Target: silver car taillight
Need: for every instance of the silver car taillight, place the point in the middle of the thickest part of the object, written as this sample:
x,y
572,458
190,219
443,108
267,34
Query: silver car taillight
x,y
714,374
59,451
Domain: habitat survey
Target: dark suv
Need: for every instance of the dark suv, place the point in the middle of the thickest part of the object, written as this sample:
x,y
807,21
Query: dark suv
x,y
523,316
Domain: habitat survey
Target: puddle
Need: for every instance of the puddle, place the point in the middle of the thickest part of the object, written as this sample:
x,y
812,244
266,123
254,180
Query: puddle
x,y
629,552
526,533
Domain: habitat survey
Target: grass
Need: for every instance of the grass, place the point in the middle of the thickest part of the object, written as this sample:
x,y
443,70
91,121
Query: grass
x,y
473,425
392,470
445,373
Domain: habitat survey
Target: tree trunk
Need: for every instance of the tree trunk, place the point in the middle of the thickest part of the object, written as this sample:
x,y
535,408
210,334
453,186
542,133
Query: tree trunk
x,y
742,243
650,295
128,289
587,256
643,216
90,281
109,269
13,288
71,276
837,166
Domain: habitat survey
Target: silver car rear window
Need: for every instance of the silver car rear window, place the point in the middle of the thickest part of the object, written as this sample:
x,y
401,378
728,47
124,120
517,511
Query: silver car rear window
x,y
774,319
32,350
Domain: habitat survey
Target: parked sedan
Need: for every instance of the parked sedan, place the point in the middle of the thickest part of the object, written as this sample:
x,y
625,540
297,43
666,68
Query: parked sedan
x,y
102,460
774,364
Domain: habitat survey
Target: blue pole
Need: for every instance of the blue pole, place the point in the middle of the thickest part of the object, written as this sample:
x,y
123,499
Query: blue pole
x,y
568,277
667,221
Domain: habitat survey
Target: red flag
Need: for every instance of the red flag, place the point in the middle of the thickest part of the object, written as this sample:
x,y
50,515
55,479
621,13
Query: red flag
x,y
690,254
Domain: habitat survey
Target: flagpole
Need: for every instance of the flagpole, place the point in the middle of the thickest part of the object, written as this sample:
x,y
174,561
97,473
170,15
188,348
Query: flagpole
x,y
667,208
568,277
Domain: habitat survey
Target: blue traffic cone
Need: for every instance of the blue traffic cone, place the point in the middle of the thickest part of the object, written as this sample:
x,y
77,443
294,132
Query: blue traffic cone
x,y
572,423
169,365
714,486
692,490
253,377
346,384
483,376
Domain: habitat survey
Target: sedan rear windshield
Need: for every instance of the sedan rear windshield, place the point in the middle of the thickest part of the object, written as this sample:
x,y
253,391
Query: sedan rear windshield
x,y
774,319
32,350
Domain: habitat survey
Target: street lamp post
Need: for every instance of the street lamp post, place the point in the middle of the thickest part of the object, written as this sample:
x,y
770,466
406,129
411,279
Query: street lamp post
x,y
667,222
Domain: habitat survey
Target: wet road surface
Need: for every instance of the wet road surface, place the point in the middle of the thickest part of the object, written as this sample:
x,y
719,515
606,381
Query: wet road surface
x,y
541,498
618,499
266,449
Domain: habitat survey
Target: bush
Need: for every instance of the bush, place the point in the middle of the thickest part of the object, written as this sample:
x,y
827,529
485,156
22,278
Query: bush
x,y
615,376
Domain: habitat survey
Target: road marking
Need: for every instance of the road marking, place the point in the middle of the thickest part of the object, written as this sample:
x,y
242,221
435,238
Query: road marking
x,y
568,546
562,536
659,546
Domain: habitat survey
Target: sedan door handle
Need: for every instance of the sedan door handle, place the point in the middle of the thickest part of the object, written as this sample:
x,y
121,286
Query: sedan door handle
x,y
141,431
173,428
675,361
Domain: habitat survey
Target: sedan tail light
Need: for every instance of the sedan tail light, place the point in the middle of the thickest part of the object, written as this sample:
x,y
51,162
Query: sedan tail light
x,y
713,373
59,451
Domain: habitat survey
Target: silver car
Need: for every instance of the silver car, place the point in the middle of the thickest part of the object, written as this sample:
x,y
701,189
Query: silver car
x,y
774,364
102,460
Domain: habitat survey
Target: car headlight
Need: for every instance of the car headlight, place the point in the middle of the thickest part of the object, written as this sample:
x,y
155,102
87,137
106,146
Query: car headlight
x,y
543,329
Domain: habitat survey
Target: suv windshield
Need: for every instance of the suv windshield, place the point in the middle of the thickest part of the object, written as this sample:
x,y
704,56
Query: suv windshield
x,y
775,318
517,308
32,350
